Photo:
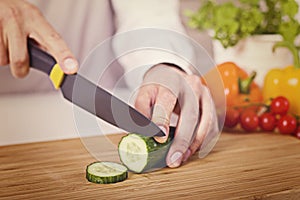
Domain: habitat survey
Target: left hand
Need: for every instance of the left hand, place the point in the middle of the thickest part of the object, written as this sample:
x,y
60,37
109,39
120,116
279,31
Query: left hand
x,y
165,90
20,20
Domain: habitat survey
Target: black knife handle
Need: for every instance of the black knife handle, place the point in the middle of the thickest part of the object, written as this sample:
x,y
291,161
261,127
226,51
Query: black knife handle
x,y
44,62
39,59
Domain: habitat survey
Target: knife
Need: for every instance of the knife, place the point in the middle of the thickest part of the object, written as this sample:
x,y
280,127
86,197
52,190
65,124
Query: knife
x,y
90,97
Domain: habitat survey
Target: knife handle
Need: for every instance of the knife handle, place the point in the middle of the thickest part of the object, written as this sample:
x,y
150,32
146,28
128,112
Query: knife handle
x,y
41,60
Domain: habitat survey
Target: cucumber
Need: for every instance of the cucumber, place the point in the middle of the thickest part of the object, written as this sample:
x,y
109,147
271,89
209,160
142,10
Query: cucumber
x,y
106,172
143,154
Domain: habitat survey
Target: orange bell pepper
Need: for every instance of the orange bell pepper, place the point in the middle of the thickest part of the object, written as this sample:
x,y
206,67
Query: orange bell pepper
x,y
240,89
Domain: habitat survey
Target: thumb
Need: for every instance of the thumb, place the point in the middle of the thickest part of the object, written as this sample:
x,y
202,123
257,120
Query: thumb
x,y
53,43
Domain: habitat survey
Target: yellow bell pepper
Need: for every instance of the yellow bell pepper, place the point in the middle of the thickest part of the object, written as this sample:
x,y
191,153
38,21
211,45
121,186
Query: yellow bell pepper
x,y
284,82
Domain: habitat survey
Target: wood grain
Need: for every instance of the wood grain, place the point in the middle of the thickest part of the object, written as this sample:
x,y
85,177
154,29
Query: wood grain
x,y
241,166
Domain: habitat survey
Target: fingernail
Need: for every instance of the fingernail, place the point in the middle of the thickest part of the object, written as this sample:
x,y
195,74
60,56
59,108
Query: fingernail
x,y
163,129
162,139
187,155
176,159
70,65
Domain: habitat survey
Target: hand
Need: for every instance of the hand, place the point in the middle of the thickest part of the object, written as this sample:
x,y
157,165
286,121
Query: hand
x,y
20,20
166,89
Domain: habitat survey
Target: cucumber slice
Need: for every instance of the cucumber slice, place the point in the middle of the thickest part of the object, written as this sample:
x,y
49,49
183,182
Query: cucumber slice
x,y
143,154
106,172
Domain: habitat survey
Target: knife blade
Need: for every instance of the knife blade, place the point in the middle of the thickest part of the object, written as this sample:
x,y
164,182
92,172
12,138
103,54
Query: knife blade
x,y
92,98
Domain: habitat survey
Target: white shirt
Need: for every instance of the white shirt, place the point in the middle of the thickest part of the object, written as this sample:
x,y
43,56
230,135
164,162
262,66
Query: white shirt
x,y
85,24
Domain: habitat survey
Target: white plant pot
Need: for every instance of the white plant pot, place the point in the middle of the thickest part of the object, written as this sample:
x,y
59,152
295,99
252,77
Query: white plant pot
x,y
254,54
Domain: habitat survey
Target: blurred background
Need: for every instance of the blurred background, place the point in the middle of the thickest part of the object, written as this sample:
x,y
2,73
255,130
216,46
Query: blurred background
x,y
32,111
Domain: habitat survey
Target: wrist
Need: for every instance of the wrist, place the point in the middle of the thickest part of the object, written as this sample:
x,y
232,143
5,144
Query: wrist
x,y
164,67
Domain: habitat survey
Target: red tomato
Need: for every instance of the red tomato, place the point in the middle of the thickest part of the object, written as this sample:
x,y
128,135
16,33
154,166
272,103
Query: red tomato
x,y
267,122
249,120
280,105
287,124
297,132
232,118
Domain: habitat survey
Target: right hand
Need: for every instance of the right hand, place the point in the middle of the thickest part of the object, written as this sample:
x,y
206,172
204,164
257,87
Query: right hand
x,y
186,96
20,20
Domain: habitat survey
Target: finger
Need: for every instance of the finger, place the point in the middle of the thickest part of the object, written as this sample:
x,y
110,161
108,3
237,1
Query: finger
x,y
143,102
213,133
17,45
52,42
162,110
187,155
188,120
3,51
208,124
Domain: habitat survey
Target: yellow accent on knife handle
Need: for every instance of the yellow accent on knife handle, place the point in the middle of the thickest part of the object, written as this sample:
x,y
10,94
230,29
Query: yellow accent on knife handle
x,y
56,76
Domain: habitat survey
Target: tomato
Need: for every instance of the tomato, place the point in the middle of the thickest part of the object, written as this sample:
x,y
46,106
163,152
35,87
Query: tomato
x,y
232,118
297,132
280,105
249,120
267,122
287,124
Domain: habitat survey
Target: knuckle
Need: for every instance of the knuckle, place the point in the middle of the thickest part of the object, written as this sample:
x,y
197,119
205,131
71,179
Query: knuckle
x,y
167,95
139,101
33,9
195,146
3,60
184,143
63,53
161,120
3,56
12,13
195,82
60,51
21,72
195,79
193,116
20,67
54,36
55,43
160,115
199,139
20,62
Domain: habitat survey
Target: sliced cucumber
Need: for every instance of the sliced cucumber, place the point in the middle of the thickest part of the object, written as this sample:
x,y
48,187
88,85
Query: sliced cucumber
x,y
106,172
143,154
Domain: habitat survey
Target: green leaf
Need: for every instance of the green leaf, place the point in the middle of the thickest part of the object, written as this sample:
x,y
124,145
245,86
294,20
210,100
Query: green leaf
x,y
289,8
232,22
225,14
250,20
289,30
250,2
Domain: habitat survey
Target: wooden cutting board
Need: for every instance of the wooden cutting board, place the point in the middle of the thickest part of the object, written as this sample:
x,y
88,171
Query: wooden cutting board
x,y
241,166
